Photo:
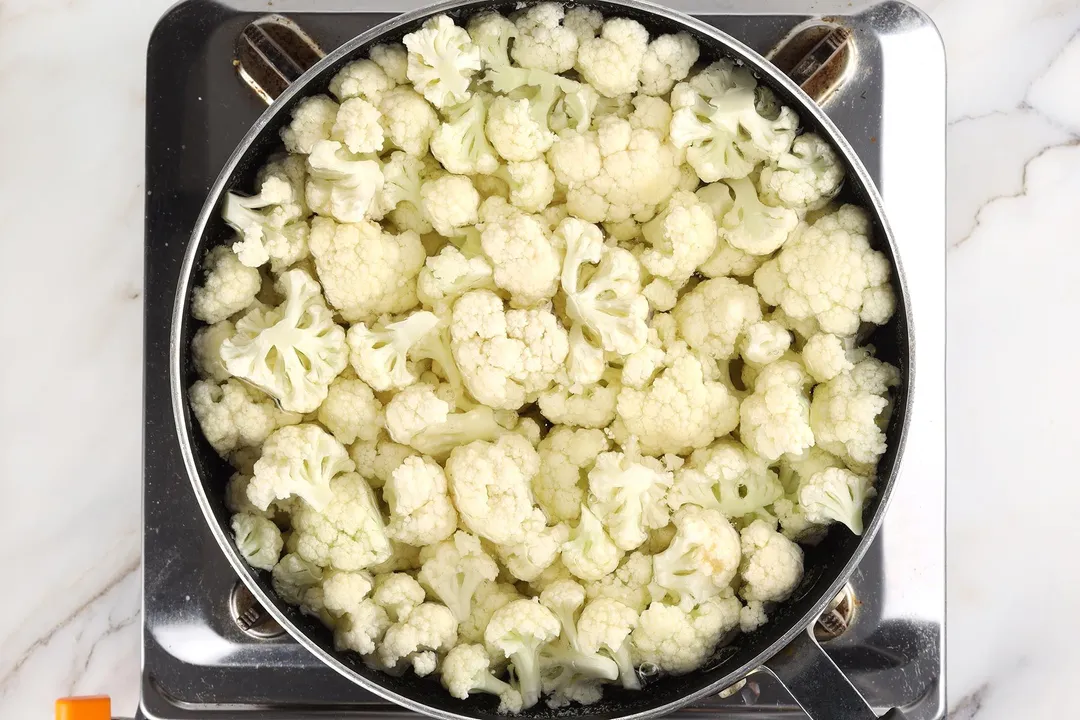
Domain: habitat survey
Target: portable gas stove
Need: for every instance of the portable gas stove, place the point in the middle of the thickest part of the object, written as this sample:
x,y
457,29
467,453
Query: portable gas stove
x,y
203,657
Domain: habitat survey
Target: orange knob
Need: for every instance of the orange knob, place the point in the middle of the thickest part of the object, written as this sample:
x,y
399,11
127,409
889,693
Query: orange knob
x,y
97,707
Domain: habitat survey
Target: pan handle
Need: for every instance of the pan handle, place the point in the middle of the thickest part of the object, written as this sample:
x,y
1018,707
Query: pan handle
x,y
271,53
819,687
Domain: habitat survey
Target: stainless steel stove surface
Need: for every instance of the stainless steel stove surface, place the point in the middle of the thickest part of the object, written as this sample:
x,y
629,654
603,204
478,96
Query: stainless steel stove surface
x,y
197,663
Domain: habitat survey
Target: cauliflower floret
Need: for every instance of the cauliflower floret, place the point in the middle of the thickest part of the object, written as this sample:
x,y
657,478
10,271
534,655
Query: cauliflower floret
x,y
593,407
400,197
627,492
531,184
351,411
460,143
453,570
339,185
775,418
292,352
417,416
489,597
726,260
667,60
525,262
678,641
429,629
450,202
515,132
491,32
347,533
717,120
466,669
752,616
629,584
380,355
408,120
206,350
230,286
505,356
398,594
298,582
365,271
489,483
361,629
752,226
772,565
605,626
615,173
764,342
541,545
701,560
679,411
361,79
825,357
836,495
520,629
394,61
846,411
312,120
713,317
258,539
611,62
829,272
609,304
419,500
585,22
450,274
566,455
268,225
233,415
590,554
377,460
681,237
358,126
726,477
541,42
442,57
652,113
806,178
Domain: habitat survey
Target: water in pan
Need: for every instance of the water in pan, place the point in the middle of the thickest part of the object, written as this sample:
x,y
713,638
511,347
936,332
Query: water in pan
x,y
195,656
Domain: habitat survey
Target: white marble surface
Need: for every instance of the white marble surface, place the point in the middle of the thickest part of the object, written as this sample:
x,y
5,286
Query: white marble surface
x,y
71,119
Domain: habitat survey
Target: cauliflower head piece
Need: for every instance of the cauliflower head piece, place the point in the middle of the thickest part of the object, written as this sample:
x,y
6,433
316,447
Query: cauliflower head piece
x,y
442,57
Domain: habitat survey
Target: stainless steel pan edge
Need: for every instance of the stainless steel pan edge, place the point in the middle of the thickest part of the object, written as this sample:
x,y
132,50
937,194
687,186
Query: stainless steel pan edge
x,y
795,658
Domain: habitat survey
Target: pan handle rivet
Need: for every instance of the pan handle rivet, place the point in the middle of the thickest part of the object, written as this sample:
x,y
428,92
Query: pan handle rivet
x,y
250,616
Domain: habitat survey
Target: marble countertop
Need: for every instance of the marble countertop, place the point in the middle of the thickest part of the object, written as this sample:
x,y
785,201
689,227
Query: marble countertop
x,y
72,83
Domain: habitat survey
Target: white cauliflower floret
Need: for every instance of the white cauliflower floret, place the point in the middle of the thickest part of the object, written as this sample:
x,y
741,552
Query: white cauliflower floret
x,y
365,271
615,173
592,407
829,272
489,597
726,260
566,455
233,415
849,412
531,184
772,565
806,178
627,492
717,120
299,582
726,477
679,411
825,357
393,59
752,616
377,460
629,584
751,225
542,42
678,641
764,342
361,79
714,316
608,304
358,126
341,185
489,483
590,554
258,539
524,260
351,411
491,32
420,509
408,120
268,225
652,113
450,274
417,416
515,132
442,57
836,495
398,594
361,629
460,143
681,237
775,418
520,629
541,545
400,198
230,286
347,533
453,570
292,352
343,592
505,356
467,669
611,62
701,560
451,203
429,629
380,355
604,627
312,119
585,22
667,60
206,350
